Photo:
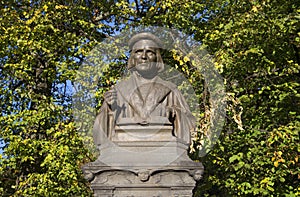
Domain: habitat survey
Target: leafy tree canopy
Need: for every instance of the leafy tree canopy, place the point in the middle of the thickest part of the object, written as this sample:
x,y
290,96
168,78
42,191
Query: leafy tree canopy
x,y
254,44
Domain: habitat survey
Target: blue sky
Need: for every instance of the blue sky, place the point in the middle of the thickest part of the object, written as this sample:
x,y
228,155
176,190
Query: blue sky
x,y
1,146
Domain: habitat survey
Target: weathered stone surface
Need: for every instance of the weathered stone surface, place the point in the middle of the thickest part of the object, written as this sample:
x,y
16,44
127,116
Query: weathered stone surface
x,y
176,179
130,147
143,98
164,182
143,133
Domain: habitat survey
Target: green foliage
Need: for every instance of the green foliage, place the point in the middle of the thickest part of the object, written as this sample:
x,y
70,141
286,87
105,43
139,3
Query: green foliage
x,y
42,45
265,164
255,46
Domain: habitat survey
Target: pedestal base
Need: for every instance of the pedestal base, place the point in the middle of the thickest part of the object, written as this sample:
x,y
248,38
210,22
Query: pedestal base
x,y
143,161
168,181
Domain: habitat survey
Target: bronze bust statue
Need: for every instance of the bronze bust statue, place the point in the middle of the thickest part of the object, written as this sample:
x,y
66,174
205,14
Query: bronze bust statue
x,y
144,98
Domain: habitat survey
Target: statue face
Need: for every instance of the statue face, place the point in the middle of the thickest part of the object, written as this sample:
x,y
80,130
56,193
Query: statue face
x,y
145,57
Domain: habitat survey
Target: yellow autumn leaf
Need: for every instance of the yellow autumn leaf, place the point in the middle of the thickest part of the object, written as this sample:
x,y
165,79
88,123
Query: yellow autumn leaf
x,y
186,59
273,159
45,7
60,7
265,180
181,62
151,8
254,9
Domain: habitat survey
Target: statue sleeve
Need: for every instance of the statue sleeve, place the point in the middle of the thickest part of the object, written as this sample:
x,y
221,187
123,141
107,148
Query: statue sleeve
x,y
103,126
184,121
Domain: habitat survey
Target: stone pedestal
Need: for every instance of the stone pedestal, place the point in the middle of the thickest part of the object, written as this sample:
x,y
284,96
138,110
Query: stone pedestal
x,y
141,182
143,161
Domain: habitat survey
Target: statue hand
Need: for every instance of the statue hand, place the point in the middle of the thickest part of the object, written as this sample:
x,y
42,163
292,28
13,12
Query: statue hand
x,y
110,97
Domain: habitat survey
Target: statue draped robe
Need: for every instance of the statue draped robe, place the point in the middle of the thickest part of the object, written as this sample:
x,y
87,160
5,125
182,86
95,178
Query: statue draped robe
x,y
156,102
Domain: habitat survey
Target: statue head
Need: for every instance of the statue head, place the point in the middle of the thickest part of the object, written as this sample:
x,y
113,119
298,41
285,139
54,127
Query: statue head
x,y
145,56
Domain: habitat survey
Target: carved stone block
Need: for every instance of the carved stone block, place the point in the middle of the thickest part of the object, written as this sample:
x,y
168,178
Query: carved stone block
x,y
124,183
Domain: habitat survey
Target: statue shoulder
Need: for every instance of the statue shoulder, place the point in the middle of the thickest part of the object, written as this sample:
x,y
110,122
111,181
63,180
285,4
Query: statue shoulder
x,y
168,84
125,85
